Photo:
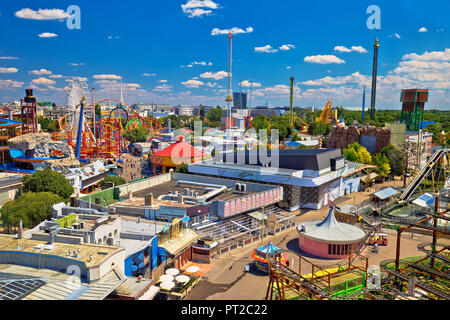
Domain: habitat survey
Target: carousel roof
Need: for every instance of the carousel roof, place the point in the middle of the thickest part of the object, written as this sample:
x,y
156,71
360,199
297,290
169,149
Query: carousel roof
x,y
269,248
180,149
330,230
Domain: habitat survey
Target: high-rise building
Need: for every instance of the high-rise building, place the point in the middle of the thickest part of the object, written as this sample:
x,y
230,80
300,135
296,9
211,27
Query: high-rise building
x,y
240,100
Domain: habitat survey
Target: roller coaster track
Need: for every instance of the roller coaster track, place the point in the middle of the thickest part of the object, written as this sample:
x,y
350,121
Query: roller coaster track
x,y
419,284
422,246
411,223
412,186
429,270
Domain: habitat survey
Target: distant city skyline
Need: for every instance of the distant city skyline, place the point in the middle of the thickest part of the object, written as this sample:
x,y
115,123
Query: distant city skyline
x,y
175,52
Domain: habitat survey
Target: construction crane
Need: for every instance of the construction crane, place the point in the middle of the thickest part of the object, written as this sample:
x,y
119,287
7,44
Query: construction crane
x,y
325,115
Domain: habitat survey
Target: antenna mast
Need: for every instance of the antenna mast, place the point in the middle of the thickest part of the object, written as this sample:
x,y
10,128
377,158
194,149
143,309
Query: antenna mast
x,y
229,97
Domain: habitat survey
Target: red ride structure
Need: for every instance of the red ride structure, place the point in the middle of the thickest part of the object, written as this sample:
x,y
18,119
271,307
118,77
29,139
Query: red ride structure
x,y
28,112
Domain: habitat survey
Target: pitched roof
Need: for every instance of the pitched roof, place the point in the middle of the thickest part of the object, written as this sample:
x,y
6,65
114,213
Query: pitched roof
x,y
331,230
180,149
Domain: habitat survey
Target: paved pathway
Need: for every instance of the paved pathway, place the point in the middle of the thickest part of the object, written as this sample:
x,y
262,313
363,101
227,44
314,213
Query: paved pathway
x,y
227,279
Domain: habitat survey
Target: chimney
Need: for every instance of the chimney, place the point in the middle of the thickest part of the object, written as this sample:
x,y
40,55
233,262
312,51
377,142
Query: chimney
x,y
20,233
149,199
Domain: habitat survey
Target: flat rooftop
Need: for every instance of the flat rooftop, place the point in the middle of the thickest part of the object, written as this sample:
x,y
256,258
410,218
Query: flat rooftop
x,y
99,252
172,186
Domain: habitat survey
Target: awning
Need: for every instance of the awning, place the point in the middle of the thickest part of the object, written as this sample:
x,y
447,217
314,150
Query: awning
x,y
385,193
257,215
425,200
368,178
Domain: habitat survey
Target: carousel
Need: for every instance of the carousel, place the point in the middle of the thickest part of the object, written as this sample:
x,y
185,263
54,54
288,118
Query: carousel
x,y
260,256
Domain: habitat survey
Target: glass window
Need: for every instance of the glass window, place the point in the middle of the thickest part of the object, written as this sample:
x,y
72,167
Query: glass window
x,y
329,249
338,251
334,249
346,249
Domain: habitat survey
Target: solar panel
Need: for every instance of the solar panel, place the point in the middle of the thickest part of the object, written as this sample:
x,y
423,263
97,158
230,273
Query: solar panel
x,y
15,287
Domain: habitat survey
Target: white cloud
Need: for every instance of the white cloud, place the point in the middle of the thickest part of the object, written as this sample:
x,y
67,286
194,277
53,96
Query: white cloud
x,y
342,49
8,70
248,84
286,47
113,37
107,77
9,58
76,64
355,77
192,83
162,81
163,88
267,49
40,72
395,35
359,49
56,76
194,8
200,63
414,70
288,67
47,35
214,75
279,89
44,81
9,84
148,74
235,30
429,56
323,59
423,29
353,48
42,14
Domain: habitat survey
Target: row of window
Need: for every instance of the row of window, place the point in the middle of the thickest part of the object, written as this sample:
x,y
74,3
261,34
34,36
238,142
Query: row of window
x,y
340,249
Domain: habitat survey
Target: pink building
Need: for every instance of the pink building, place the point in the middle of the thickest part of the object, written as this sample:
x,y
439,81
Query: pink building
x,y
329,238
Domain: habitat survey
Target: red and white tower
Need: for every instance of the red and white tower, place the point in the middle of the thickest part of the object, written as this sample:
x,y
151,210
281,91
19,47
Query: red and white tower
x,y
229,97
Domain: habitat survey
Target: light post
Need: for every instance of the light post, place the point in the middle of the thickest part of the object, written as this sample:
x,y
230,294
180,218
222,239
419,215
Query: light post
x,y
262,225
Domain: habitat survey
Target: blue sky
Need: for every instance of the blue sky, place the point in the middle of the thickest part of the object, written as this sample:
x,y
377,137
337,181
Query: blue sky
x,y
166,51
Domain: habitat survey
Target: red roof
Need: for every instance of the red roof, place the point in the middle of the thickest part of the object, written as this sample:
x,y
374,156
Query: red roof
x,y
180,149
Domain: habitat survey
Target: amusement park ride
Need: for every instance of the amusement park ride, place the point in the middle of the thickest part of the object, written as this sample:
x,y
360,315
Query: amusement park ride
x,y
94,137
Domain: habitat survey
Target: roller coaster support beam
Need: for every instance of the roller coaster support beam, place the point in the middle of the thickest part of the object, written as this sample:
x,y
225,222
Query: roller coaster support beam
x,y
79,132
433,248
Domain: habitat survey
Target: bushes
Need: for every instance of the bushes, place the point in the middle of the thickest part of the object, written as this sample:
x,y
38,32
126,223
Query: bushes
x,y
48,181
31,208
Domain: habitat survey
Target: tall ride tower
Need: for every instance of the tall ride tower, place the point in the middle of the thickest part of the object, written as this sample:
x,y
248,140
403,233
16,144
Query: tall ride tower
x,y
28,112
374,79
413,105
229,97
291,102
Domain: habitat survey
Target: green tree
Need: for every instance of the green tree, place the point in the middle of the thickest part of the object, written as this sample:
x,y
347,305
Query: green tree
x,y
98,111
182,168
136,135
31,208
202,111
395,158
357,153
215,114
319,128
381,161
115,179
48,180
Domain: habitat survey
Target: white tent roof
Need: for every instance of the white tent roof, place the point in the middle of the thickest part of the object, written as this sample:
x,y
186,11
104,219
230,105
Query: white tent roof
x,y
425,200
330,230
